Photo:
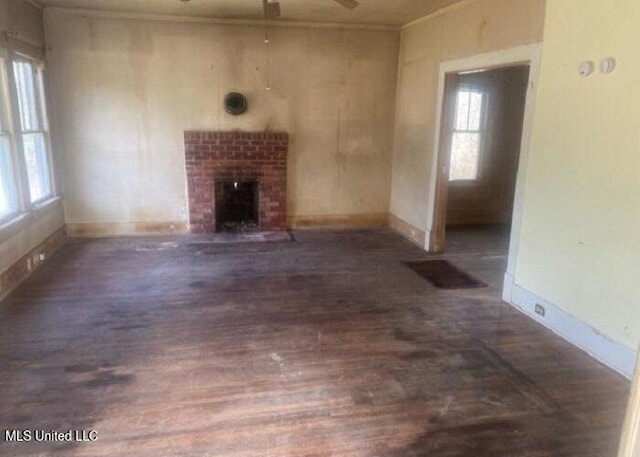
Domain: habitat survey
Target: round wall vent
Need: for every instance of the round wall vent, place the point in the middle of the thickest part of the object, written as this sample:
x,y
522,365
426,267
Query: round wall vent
x,y
235,103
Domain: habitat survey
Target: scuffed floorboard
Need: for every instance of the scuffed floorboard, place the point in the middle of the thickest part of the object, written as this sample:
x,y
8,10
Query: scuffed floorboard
x,y
329,346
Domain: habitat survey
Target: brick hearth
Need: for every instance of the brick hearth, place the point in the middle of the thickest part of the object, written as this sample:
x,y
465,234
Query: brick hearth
x,y
236,156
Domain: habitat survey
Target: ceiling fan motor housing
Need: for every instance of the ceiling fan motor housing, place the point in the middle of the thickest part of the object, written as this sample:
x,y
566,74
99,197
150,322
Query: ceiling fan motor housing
x,y
272,7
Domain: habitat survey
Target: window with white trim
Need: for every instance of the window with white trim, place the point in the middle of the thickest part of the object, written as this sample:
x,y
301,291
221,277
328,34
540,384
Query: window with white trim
x,y
33,128
467,137
9,203
25,157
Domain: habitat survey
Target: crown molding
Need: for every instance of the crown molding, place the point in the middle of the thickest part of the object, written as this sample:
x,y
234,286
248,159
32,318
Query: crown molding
x,y
220,21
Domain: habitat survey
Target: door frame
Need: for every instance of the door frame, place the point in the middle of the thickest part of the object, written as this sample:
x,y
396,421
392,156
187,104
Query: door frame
x,y
630,436
436,211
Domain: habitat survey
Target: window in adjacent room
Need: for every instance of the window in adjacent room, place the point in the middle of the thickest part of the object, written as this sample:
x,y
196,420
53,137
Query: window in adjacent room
x,y
33,128
467,137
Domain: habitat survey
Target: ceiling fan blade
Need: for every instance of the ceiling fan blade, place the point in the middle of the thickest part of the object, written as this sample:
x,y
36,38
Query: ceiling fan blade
x,y
271,9
351,4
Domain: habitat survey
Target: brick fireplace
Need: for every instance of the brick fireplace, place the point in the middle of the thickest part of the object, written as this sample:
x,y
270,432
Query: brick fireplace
x,y
236,158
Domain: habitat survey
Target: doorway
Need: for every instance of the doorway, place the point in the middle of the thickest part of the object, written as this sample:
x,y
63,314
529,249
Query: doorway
x,y
479,152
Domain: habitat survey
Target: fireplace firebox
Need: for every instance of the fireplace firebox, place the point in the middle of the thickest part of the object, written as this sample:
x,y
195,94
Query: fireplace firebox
x,y
237,206
236,178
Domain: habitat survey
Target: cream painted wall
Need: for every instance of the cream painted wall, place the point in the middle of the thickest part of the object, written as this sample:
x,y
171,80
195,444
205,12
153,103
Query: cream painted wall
x,y
126,89
580,237
24,21
472,28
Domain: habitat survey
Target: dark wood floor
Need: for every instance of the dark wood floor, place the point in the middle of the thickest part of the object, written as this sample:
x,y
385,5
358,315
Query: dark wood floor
x,y
329,346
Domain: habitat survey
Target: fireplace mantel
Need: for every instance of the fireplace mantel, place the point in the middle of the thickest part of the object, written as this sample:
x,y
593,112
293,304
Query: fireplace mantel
x,y
236,156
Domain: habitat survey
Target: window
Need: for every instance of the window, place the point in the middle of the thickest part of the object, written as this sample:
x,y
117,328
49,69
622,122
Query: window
x,y
9,204
25,161
466,141
33,128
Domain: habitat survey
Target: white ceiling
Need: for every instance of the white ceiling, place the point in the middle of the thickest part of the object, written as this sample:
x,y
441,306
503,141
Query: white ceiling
x,y
384,12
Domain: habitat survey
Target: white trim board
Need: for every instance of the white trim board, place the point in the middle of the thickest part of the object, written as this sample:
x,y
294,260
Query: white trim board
x,y
630,442
613,354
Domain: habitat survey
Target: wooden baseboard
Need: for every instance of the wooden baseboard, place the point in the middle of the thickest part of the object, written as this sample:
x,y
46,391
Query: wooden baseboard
x,y
340,221
410,232
111,229
114,229
27,264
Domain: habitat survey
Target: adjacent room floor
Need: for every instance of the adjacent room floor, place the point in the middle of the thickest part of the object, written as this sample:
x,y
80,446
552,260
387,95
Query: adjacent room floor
x,y
327,346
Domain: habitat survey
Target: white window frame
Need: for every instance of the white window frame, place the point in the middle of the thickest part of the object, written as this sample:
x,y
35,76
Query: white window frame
x,y
7,118
43,119
10,109
481,131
